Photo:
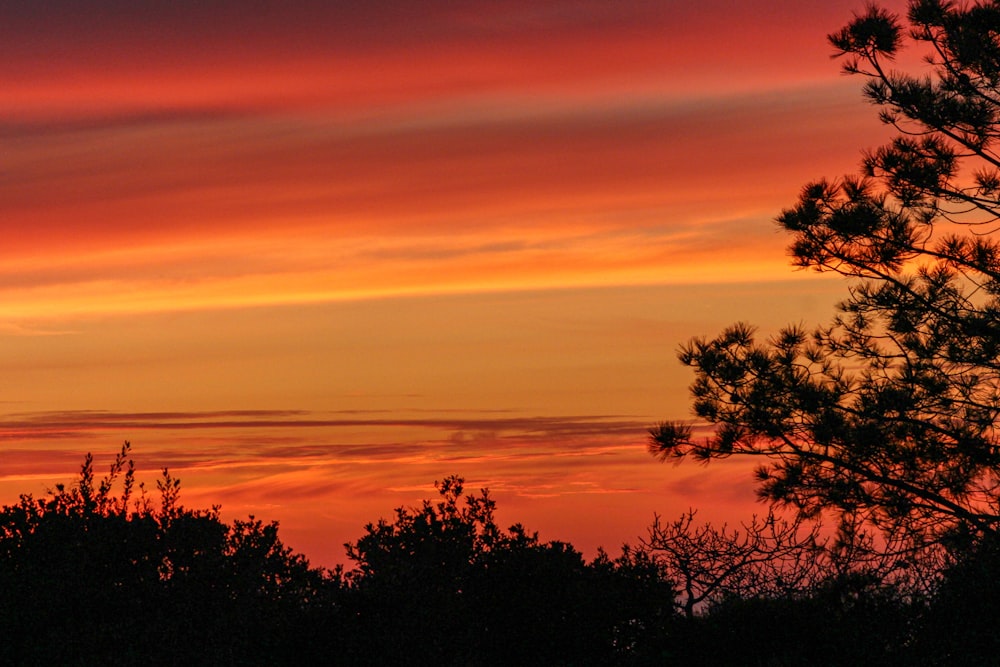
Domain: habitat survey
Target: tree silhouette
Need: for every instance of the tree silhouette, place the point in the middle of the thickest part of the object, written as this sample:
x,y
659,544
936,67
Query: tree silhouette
x,y
88,575
958,626
97,572
846,622
444,584
766,557
413,576
888,416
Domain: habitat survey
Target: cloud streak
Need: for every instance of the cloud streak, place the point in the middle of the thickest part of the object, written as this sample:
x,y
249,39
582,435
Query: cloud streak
x,y
65,424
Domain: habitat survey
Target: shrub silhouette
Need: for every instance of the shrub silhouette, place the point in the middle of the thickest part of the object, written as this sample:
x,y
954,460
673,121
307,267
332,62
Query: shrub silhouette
x,y
443,584
89,576
93,576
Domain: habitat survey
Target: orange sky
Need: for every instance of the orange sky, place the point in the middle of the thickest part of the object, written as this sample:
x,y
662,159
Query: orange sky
x,y
313,257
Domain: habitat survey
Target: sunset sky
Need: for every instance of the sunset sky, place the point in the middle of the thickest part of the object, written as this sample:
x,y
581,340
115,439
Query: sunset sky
x,y
313,256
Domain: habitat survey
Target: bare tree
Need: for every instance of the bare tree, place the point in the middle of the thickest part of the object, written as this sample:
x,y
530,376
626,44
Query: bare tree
x,y
765,557
772,557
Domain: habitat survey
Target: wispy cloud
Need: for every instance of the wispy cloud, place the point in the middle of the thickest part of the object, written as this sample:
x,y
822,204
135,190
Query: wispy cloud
x,y
68,423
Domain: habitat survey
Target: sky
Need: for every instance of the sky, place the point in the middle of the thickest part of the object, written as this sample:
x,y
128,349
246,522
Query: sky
x,y
314,256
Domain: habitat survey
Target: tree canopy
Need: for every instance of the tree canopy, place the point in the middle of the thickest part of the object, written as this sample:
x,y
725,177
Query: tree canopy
x,y
888,415
95,572
445,582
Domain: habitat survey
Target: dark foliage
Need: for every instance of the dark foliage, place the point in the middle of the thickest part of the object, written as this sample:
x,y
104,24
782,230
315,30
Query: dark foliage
x,y
843,622
443,584
959,626
91,577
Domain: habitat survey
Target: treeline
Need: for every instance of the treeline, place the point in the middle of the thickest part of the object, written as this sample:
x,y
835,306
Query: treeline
x,y
99,573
